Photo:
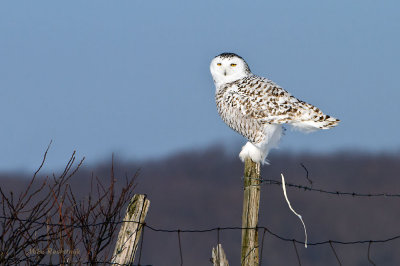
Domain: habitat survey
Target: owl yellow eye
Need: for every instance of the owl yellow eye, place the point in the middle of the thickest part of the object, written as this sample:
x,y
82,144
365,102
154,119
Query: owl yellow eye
x,y
218,64
233,65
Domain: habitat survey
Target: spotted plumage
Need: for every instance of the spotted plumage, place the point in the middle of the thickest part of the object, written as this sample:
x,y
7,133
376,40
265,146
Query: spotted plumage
x,y
256,107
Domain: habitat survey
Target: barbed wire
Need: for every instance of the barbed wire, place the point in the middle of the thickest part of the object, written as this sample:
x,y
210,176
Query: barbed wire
x,y
337,192
218,229
211,229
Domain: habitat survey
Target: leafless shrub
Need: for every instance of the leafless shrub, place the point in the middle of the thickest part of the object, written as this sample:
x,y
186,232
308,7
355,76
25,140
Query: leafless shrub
x,y
47,224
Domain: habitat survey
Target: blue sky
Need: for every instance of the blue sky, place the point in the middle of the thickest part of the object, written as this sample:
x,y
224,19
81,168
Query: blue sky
x,y
132,77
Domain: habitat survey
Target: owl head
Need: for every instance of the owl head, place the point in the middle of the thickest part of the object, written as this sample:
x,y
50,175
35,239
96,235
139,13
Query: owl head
x,y
228,67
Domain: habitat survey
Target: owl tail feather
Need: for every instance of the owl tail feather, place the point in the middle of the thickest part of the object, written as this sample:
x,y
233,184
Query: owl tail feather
x,y
322,122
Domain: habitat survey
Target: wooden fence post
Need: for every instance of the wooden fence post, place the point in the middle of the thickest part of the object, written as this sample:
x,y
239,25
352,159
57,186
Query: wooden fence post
x,y
219,256
251,204
129,235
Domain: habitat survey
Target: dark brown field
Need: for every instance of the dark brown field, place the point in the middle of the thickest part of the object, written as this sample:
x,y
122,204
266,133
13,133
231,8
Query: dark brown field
x,y
203,189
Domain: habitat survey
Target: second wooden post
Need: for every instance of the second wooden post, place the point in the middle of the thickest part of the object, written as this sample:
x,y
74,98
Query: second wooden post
x,y
251,204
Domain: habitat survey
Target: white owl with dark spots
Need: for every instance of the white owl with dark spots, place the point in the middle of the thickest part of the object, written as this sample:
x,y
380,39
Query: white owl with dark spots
x,y
257,107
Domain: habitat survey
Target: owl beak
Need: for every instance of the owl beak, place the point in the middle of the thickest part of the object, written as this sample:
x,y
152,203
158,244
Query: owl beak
x,y
224,72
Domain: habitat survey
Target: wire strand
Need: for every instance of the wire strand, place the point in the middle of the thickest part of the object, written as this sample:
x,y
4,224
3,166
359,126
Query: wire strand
x,y
297,253
155,229
306,188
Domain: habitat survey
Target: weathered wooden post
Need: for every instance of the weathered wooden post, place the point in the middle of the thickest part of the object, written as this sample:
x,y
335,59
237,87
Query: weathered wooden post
x,y
219,256
251,204
131,229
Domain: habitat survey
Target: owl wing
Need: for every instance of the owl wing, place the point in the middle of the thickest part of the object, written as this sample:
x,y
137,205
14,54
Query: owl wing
x,y
268,103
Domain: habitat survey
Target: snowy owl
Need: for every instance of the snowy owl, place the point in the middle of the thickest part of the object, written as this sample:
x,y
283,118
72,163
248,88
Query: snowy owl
x,y
257,107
